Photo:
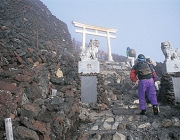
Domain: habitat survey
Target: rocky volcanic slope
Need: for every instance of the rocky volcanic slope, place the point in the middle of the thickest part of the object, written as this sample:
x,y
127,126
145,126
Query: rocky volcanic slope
x,y
36,56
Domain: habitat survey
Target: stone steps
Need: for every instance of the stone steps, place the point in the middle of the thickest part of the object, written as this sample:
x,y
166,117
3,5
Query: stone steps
x,y
121,120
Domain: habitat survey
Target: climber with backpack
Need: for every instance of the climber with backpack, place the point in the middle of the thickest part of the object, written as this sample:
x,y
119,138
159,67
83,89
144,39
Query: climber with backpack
x,y
131,55
153,63
144,74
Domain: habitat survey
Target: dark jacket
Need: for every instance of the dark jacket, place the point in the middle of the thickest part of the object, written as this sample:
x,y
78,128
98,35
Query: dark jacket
x,y
135,75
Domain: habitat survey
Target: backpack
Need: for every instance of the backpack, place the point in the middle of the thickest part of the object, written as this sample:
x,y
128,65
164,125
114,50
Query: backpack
x,y
143,69
132,53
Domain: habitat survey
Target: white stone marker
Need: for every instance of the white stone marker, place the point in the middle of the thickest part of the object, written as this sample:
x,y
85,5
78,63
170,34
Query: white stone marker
x,y
54,92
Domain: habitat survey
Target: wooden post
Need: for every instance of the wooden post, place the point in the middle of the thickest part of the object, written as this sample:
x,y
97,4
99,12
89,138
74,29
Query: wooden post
x,y
8,127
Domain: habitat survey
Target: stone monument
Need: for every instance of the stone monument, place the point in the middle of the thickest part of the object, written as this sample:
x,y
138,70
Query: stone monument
x,y
171,65
88,67
172,58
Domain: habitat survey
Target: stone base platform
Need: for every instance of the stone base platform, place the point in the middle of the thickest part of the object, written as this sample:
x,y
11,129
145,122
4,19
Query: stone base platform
x,y
171,66
90,66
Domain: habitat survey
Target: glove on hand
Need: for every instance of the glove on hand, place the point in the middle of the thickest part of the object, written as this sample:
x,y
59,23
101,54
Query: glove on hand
x,y
155,77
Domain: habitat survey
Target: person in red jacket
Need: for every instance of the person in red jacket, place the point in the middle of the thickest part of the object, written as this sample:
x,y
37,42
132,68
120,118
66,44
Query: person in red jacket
x,y
144,74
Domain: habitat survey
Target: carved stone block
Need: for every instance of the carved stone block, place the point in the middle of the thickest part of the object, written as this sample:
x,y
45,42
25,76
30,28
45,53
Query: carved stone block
x,y
89,89
176,81
171,66
90,66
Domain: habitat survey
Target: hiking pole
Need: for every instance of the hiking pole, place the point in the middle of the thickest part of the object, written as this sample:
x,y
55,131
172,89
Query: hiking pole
x,y
135,84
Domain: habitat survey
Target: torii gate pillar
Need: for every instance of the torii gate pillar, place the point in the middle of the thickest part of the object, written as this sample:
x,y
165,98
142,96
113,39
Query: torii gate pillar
x,y
98,31
109,48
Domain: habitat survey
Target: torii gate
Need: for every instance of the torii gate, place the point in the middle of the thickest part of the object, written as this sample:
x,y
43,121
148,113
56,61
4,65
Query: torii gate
x,y
98,31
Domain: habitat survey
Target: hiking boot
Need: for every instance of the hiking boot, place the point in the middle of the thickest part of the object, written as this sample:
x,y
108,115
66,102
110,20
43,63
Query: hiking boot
x,y
143,112
155,109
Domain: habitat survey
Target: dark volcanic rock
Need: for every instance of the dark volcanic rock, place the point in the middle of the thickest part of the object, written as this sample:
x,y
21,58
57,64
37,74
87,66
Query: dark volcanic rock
x,y
25,133
34,45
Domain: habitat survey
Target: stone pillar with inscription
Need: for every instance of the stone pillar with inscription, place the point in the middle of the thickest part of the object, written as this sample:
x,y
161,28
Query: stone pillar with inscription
x,y
88,68
171,66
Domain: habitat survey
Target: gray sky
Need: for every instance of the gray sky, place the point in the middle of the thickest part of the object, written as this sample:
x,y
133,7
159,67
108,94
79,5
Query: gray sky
x,y
142,24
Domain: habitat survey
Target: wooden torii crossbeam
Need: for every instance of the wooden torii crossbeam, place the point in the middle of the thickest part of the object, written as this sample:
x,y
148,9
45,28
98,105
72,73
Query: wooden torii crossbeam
x,y
97,31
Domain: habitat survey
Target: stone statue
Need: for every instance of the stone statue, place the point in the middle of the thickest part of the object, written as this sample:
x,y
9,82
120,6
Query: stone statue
x,y
89,53
168,51
178,52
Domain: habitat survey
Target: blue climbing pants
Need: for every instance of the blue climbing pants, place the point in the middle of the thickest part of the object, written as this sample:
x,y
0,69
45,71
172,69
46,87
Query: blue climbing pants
x,y
146,86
